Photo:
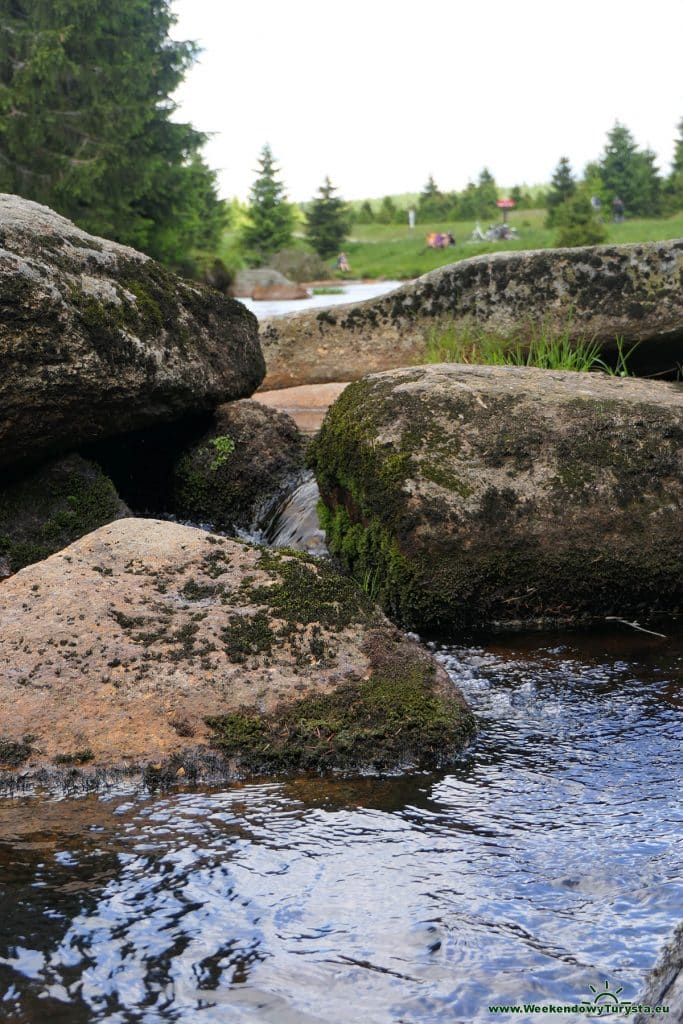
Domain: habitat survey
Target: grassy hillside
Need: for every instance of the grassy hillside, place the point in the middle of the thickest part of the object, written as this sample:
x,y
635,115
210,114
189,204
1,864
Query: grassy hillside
x,y
389,250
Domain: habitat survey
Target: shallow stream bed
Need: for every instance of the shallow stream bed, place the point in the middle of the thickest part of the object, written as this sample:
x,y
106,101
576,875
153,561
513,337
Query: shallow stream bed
x,y
547,861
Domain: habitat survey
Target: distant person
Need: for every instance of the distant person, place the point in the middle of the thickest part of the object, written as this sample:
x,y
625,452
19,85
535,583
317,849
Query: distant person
x,y
343,263
411,218
618,209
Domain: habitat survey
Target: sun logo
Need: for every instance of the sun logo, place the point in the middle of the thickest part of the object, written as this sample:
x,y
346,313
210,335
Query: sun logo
x,y
605,997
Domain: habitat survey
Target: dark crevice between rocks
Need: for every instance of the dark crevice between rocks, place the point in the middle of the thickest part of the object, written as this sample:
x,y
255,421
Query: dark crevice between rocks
x,y
140,462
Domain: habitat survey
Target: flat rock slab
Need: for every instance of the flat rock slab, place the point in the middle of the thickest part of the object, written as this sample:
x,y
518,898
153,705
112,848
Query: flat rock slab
x,y
306,404
97,339
634,292
119,649
472,495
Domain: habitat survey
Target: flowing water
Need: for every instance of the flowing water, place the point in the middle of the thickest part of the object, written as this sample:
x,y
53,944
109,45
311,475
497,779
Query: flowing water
x,y
547,861
354,291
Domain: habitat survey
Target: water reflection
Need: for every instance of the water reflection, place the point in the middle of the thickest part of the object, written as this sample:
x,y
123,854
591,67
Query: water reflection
x,y
548,860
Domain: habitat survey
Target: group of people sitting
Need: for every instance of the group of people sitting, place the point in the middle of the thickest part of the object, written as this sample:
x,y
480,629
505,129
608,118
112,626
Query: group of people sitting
x,y
438,240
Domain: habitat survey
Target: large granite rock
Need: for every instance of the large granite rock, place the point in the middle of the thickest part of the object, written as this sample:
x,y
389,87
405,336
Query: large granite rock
x,y
471,495
664,986
97,339
240,472
51,507
600,292
147,641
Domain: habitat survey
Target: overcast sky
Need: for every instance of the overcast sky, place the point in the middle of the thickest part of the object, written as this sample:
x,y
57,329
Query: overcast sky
x,y
379,94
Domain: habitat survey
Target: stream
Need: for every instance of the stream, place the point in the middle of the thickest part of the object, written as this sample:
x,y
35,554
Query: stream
x,y
545,865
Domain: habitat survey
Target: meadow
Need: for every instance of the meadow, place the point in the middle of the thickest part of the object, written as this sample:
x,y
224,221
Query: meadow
x,y
389,250
392,251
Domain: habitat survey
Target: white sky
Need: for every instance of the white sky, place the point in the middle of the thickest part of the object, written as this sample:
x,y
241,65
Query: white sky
x,y
381,93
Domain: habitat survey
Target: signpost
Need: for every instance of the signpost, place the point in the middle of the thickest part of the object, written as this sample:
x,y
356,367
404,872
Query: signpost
x,y
505,205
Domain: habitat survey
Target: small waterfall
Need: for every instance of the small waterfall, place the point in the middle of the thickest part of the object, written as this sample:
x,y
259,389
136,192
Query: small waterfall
x,y
295,523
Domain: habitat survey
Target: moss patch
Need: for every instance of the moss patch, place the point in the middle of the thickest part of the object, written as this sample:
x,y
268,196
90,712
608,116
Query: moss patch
x,y
13,753
397,717
53,507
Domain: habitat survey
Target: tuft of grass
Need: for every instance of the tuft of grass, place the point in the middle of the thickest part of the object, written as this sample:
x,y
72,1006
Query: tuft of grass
x,y
328,291
470,344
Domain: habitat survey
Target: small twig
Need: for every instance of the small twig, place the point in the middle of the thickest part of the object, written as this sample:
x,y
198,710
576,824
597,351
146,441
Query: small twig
x,y
634,625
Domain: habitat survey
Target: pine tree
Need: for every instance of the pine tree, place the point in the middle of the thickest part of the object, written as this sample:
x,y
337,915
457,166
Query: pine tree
x,y
85,122
674,184
365,214
630,174
578,225
327,221
271,216
388,211
562,187
433,204
487,194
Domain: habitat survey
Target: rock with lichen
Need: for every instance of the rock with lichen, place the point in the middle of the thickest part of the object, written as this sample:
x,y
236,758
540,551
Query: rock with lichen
x,y
237,475
97,339
473,495
57,503
602,293
664,986
147,643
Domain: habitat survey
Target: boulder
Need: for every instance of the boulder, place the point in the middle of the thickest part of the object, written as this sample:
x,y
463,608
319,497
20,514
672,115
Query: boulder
x,y
241,470
246,280
147,642
664,986
97,339
307,405
632,292
51,507
477,495
279,293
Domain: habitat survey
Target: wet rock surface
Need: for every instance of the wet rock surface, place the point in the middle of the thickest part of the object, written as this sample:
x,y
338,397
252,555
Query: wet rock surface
x,y
97,339
146,642
241,470
600,292
468,496
665,984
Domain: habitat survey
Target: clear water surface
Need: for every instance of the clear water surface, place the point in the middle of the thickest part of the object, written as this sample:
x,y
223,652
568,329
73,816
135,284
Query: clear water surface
x,y
548,860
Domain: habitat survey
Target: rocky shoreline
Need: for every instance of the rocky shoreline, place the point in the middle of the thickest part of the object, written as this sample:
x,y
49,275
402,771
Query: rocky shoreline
x,y
454,497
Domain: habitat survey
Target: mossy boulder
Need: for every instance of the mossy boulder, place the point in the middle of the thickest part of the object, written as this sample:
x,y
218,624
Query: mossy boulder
x,y
97,339
237,475
468,495
606,292
48,509
149,643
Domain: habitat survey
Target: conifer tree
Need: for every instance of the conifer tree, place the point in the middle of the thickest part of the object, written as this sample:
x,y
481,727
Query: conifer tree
x,y
271,216
562,187
327,221
629,173
487,194
85,122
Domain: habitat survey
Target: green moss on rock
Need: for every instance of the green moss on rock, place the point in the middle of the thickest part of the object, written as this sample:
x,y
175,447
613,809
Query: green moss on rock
x,y
396,717
48,510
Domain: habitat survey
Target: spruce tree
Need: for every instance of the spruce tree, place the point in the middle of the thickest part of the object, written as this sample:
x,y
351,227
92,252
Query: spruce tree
x,y
433,204
85,122
674,183
487,194
562,187
271,216
327,221
629,173
577,222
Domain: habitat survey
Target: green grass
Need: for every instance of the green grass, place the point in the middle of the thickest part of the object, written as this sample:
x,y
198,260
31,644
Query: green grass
x,y
467,343
389,250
